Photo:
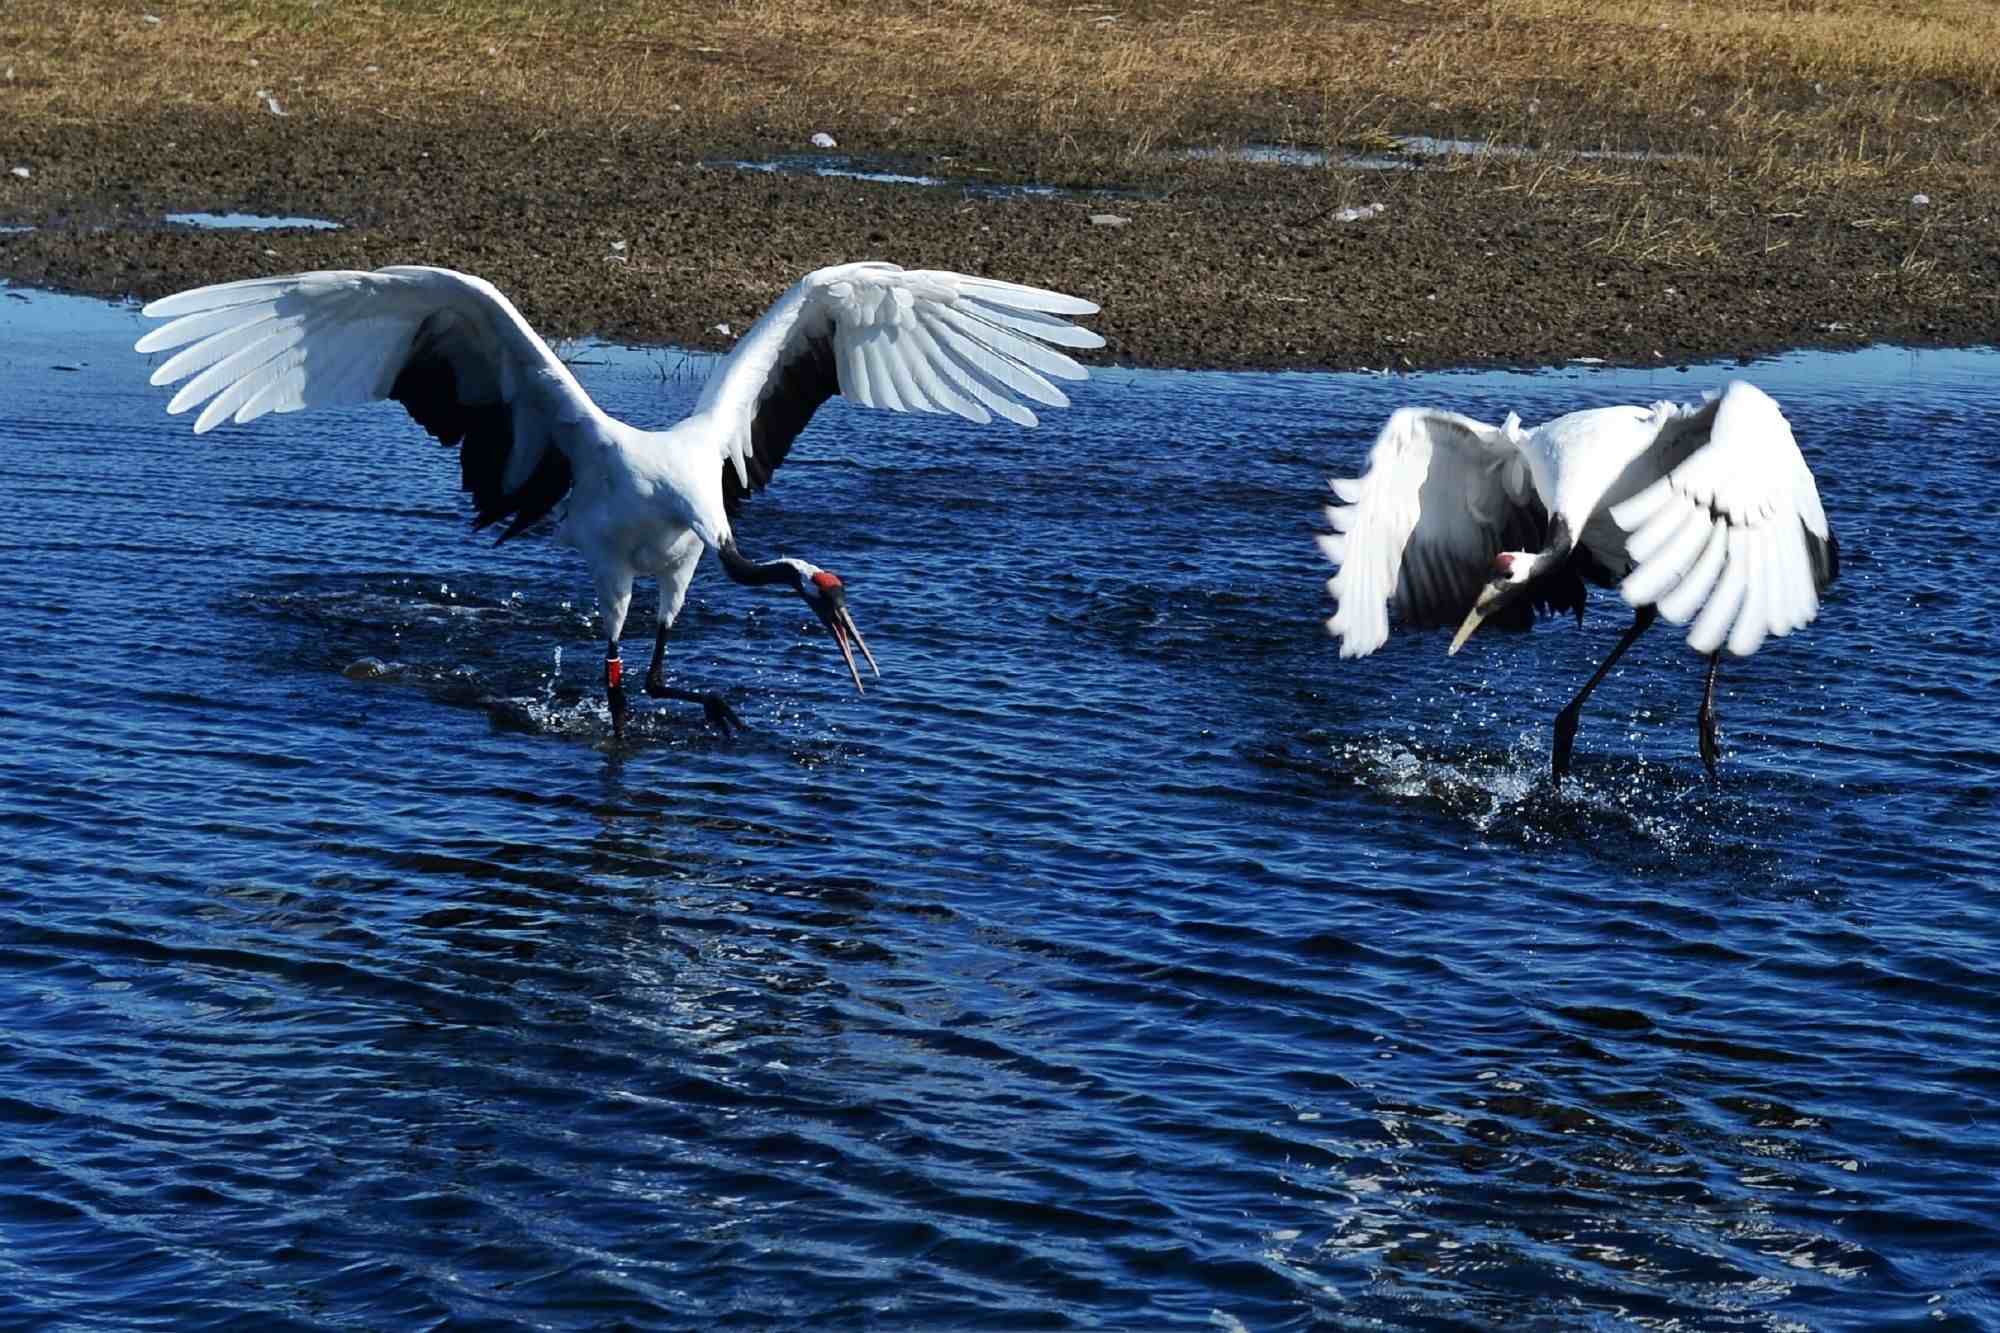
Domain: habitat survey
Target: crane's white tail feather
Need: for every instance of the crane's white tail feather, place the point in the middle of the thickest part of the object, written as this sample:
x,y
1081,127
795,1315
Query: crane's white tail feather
x,y
1722,540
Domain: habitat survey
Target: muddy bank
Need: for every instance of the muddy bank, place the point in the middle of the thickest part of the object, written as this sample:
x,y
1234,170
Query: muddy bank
x,y
649,236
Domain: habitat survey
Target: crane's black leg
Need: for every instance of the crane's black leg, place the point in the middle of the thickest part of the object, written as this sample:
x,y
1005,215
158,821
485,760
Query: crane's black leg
x,y
1710,751
1566,720
716,708
656,673
614,689
614,597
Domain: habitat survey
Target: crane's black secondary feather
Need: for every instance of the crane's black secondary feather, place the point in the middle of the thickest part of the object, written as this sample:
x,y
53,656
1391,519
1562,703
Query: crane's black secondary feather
x,y
1825,557
804,380
483,433
1435,591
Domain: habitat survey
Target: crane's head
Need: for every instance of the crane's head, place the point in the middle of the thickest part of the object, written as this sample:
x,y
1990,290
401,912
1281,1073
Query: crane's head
x,y
1509,578
820,589
827,596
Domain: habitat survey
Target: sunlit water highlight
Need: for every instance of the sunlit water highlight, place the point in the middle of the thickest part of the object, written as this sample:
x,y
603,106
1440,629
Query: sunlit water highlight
x,y
882,173
248,222
1404,152
1401,152
1124,959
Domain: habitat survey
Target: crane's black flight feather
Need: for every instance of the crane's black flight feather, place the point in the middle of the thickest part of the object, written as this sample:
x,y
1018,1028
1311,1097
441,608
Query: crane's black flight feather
x,y
429,387
806,378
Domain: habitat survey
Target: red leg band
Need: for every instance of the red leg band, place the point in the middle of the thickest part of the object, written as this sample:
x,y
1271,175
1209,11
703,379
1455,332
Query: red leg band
x,y
614,671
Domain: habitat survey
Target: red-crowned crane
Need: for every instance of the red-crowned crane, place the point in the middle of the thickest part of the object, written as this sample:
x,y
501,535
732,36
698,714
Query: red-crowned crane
x,y
457,354
1704,513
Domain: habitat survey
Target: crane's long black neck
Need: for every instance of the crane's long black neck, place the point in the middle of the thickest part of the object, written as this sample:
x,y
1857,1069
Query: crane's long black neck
x,y
1561,543
1559,571
745,570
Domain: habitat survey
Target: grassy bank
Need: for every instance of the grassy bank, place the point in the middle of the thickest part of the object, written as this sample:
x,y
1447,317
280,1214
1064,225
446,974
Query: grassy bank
x,y
1844,81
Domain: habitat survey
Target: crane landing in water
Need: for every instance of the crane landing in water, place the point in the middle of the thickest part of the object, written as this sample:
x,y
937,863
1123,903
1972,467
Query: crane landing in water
x,y
457,354
1702,513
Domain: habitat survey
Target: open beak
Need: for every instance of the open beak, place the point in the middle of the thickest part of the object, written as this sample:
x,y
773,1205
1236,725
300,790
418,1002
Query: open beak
x,y
840,622
1490,597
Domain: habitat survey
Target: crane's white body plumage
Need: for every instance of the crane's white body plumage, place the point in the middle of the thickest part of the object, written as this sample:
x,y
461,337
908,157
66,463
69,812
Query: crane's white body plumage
x,y
634,502
1705,511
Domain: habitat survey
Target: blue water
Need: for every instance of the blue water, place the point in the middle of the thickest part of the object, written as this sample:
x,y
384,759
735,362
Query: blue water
x,y
882,173
1410,151
1122,960
248,222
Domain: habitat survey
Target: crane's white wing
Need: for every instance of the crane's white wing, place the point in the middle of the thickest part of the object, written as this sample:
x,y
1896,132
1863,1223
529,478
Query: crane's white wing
x,y
1442,496
446,345
906,340
1733,537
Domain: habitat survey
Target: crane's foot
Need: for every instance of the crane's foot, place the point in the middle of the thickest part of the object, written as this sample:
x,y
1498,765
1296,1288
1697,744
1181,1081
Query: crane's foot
x,y
720,715
714,707
1710,750
1565,742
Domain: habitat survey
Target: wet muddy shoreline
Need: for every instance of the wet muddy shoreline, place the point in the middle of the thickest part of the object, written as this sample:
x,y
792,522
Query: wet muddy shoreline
x,y
648,235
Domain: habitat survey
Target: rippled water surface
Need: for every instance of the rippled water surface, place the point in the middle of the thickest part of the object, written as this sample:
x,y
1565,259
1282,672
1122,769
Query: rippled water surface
x,y
1123,960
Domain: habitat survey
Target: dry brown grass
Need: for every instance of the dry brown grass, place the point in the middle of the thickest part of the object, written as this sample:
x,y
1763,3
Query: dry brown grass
x,y
1786,85
1950,41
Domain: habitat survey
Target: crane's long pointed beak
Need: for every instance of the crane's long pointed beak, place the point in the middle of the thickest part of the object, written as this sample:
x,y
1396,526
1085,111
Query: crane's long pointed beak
x,y
1471,623
860,642
839,632
1490,599
829,603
